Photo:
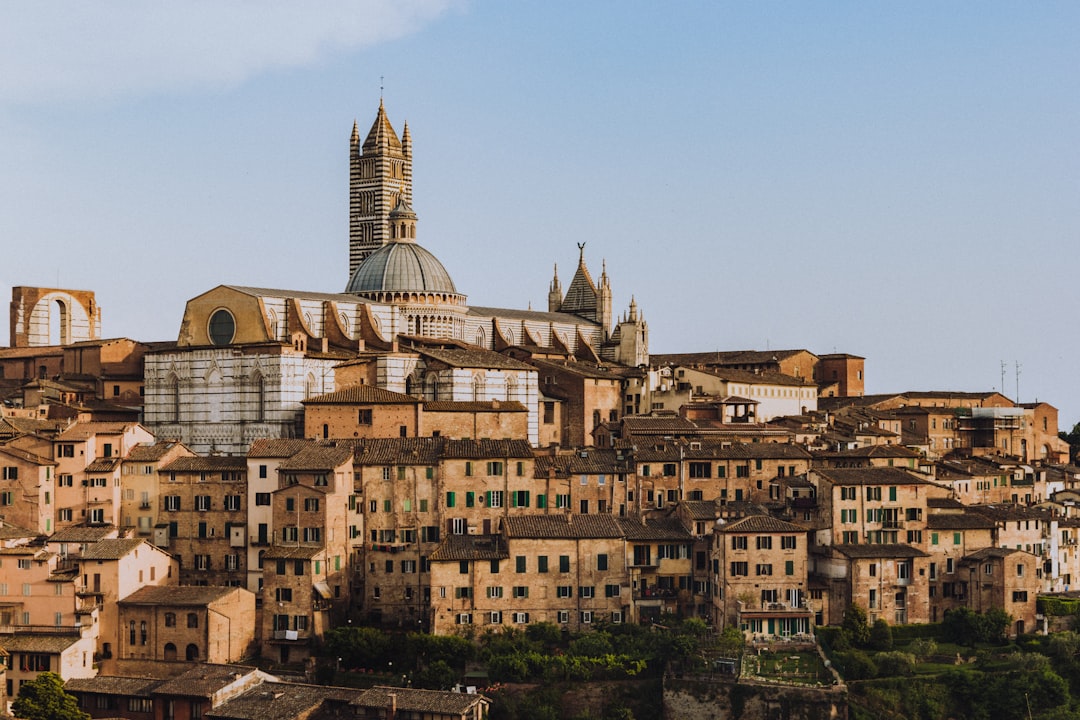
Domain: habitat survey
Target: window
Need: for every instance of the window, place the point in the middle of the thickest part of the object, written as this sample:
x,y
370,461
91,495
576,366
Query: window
x,y
602,561
283,594
700,470
451,498
363,416
464,619
764,569
1019,596
611,590
232,562
520,564
564,563
519,498
463,593
586,591
192,620
738,542
564,591
787,542
202,503
789,567
202,562
586,617
457,526
562,501
311,504
764,542
740,569
11,472
521,591
495,468
495,618
495,591
172,503
170,619
521,618
495,498
542,564
564,616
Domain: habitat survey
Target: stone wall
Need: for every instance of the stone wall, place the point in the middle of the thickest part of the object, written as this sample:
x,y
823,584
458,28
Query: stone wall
x,y
713,699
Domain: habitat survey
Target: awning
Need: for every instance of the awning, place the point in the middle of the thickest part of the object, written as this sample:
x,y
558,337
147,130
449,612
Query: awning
x,y
324,590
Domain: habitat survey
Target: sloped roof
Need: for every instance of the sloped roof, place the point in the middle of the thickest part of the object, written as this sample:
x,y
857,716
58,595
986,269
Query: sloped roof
x,y
569,525
760,524
273,448
112,548
665,528
150,452
212,463
397,451
891,550
187,595
471,547
871,476
317,457
367,394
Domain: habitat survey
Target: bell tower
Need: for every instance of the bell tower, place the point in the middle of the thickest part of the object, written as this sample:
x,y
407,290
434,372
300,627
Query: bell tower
x,y
380,174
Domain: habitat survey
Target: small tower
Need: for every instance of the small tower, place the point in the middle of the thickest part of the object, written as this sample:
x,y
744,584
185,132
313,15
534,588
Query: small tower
x,y
380,171
555,293
604,309
631,337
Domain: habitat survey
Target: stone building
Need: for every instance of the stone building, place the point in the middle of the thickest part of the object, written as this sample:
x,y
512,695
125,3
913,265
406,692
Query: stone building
x,y
761,577
202,515
246,357
197,624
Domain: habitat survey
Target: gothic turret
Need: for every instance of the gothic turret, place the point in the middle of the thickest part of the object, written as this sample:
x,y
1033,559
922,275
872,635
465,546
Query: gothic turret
x,y
555,293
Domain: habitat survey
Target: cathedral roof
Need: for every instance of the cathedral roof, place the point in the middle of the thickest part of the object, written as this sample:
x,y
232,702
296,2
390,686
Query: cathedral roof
x,y
381,133
401,267
581,295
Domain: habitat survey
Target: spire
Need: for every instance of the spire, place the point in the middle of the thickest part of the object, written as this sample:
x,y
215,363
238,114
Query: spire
x,y
555,292
354,141
382,133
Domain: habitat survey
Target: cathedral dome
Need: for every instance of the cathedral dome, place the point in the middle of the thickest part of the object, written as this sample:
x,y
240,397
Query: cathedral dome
x,y
401,266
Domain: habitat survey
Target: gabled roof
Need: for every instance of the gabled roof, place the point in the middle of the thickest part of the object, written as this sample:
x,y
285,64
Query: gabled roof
x,y
485,449
472,358
86,430
469,406
969,520
987,553
103,465
203,680
396,451
727,357
83,534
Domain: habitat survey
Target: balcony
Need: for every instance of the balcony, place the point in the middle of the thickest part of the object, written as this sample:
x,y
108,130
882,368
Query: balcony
x,y
144,506
654,593
290,636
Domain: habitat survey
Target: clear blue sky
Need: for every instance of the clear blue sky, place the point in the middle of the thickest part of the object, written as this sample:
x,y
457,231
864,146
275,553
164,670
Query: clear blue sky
x,y
894,180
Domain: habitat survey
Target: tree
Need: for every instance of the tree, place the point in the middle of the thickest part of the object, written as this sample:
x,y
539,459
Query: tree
x,y
1073,438
855,626
43,698
881,635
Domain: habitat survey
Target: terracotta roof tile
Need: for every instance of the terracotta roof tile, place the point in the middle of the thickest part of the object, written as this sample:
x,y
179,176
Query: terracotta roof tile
x,y
880,551
471,547
191,595
469,406
761,524
214,463
562,526
361,394
276,447
871,476
113,548
147,452
668,528
318,457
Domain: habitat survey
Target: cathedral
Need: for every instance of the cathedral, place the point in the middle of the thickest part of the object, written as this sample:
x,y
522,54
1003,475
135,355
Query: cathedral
x,y
246,357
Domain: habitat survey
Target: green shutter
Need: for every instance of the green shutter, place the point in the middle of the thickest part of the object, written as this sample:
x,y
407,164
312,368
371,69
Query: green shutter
x,y
541,501
789,567
450,499
470,499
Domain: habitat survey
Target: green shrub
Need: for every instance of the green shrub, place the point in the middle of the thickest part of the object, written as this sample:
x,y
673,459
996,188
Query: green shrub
x,y
895,663
855,665
881,635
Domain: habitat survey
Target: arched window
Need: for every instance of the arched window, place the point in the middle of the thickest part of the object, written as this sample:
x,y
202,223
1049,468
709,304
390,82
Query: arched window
x,y
431,387
173,385
309,385
477,388
260,397
170,651
481,337
511,387
192,652
325,431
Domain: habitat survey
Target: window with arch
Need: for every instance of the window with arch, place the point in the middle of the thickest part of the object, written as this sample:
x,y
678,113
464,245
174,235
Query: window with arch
x,y
170,651
431,387
511,387
173,386
477,388
192,652
260,396
309,385
481,337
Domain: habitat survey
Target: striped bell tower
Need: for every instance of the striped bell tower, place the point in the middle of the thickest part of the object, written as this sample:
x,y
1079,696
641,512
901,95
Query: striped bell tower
x,y
380,173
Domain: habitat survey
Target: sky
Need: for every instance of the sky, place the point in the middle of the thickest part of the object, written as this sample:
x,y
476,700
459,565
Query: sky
x,y
898,181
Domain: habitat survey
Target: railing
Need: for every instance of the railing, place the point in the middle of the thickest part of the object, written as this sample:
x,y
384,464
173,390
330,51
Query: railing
x,y
655,592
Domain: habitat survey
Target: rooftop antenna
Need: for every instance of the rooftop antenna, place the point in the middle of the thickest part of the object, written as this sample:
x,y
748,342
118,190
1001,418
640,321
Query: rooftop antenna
x,y
1018,368
381,78
1002,386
